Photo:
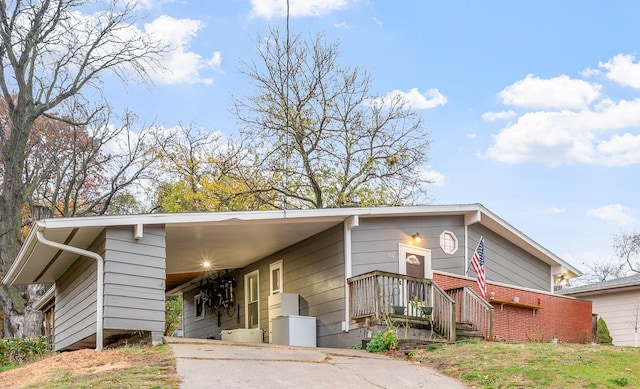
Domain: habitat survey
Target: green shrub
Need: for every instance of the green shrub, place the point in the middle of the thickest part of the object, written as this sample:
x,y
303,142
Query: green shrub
x,y
381,342
15,351
620,381
602,332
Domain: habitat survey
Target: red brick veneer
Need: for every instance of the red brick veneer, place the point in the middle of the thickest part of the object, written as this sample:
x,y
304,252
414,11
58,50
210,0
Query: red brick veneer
x,y
563,318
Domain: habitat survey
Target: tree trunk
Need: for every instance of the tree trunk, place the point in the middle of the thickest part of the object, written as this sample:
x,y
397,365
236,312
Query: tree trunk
x,y
19,321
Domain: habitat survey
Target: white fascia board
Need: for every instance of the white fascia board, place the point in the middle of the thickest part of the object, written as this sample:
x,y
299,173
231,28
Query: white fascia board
x,y
323,214
23,255
46,297
192,218
203,217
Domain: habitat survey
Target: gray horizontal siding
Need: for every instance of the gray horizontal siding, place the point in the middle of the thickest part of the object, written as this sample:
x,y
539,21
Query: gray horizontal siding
x,y
134,280
375,247
507,263
375,242
313,268
208,328
76,295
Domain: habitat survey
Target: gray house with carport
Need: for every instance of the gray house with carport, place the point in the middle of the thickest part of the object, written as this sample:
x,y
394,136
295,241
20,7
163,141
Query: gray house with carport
x,y
112,274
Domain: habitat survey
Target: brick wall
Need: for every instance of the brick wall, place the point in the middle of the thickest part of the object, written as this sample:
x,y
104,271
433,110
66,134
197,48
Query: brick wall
x,y
563,318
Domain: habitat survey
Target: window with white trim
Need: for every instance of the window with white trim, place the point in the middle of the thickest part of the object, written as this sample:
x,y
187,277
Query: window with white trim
x,y
198,306
448,242
252,308
276,279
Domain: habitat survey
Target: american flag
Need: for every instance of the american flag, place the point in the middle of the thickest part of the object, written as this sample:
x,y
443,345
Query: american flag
x,y
477,262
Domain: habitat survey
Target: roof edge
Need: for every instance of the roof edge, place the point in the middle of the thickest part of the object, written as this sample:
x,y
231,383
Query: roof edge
x,y
23,255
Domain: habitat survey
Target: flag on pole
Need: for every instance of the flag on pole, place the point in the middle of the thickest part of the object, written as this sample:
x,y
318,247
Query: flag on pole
x,y
477,262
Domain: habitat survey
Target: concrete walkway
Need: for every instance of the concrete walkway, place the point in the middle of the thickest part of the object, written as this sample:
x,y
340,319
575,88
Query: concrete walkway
x,y
217,364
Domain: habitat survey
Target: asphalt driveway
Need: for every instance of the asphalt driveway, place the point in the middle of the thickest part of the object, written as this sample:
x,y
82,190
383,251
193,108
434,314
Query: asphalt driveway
x,y
217,364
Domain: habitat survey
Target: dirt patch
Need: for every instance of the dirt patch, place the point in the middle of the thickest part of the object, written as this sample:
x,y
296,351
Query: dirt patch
x,y
81,362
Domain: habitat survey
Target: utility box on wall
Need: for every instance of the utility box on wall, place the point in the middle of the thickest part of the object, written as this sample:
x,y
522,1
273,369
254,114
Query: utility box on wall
x,y
282,304
294,330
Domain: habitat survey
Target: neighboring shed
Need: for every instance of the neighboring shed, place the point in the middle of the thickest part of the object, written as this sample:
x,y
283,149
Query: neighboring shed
x,y
618,303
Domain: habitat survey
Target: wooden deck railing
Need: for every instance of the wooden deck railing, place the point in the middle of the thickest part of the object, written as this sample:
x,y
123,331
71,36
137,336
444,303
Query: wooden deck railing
x,y
444,313
474,310
379,293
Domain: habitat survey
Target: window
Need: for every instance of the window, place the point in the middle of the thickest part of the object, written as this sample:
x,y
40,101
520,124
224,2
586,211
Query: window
x,y
252,308
448,242
275,285
198,304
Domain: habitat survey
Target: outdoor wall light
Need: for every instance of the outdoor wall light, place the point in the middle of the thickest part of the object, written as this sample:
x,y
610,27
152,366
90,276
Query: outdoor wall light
x,y
417,237
562,281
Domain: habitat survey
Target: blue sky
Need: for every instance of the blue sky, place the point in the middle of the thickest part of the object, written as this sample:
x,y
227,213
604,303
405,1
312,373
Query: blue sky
x,y
533,106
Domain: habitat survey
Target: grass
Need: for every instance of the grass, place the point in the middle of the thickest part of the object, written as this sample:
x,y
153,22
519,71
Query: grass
x,y
477,364
125,367
156,369
535,365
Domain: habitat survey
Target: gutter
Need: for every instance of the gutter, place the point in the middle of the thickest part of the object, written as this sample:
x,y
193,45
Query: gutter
x,y
350,223
100,278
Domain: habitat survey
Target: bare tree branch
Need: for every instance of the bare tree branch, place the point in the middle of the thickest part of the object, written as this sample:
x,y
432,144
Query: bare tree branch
x,y
320,137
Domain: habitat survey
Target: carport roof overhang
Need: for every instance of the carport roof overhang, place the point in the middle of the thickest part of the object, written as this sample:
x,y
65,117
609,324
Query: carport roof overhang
x,y
229,240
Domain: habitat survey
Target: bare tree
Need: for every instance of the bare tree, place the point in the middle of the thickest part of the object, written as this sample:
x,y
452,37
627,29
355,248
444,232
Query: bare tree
x,y
51,53
604,271
86,167
627,247
320,138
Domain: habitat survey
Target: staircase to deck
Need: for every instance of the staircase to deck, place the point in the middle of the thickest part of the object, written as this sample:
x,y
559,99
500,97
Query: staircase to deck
x,y
465,331
421,304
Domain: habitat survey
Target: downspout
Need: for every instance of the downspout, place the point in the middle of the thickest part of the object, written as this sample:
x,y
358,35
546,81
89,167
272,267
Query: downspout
x,y
100,279
350,223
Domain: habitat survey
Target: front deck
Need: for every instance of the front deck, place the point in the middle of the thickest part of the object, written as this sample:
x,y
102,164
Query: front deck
x,y
380,295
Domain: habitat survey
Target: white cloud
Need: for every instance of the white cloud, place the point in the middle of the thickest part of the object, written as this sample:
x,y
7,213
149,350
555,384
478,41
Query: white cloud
x,y
621,150
556,93
268,9
565,137
427,100
436,178
556,210
495,116
614,212
590,73
623,70
149,4
570,121
181,65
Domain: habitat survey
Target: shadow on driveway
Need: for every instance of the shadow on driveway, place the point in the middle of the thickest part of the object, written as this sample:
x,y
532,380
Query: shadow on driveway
x,y
217,364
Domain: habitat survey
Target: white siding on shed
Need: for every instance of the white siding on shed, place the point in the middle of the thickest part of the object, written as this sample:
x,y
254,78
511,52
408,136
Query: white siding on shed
x,y
618,311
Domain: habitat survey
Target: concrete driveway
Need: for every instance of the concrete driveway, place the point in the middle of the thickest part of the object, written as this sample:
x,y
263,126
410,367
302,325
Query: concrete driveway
x,y
217,364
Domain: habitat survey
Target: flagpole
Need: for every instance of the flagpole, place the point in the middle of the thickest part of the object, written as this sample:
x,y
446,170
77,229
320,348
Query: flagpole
x,y
466,261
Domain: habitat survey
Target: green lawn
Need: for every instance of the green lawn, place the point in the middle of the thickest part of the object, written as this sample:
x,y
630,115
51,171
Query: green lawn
x,y
535,365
